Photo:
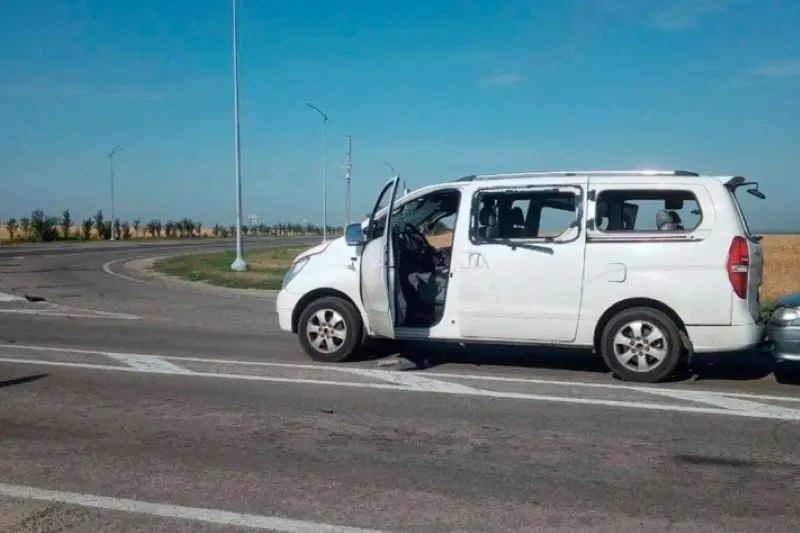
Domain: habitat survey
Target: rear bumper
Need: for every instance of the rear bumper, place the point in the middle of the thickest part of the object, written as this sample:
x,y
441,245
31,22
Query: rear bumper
x,y
783,341
710,339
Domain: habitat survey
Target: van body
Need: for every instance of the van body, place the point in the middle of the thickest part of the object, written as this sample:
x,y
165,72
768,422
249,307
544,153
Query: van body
x,y
644,267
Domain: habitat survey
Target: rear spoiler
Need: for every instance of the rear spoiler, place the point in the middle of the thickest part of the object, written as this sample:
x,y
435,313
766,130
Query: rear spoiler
x,y
740,181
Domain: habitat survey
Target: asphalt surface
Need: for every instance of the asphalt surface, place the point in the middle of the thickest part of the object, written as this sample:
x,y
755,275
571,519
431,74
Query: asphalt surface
x,y
153,405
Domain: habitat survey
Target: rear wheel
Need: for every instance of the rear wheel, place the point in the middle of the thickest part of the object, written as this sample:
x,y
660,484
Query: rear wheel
x,y
330,330
642,345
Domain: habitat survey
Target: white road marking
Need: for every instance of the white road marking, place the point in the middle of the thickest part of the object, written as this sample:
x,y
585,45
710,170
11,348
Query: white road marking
x,y
108,270
612,386
5,297
649,389
149,363
783,413
720,400
198,514
410,380
56,313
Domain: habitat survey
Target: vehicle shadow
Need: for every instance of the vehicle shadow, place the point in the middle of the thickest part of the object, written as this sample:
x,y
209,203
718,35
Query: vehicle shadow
x,y
22,380
739,366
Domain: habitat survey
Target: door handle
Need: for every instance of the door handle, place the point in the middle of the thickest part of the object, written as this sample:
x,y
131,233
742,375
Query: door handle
x,y
476,260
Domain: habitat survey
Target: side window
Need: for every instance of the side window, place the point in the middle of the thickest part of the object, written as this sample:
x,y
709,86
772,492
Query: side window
x,y
522,214
641,210
439,231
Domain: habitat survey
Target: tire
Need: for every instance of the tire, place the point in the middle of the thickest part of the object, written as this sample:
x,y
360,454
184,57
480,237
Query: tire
x,y
659,355
786,373
342,338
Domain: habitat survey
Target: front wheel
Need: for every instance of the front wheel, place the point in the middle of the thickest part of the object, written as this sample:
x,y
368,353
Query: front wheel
x,y
330,330
642,345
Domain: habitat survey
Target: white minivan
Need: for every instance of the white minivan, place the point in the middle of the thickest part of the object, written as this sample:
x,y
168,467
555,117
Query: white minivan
x,y
644,267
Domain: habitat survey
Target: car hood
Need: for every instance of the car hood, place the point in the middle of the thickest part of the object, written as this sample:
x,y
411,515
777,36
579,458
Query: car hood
x,y
314,250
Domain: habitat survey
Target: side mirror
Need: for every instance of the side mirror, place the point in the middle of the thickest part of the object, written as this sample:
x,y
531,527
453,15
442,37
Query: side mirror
x,y
354,235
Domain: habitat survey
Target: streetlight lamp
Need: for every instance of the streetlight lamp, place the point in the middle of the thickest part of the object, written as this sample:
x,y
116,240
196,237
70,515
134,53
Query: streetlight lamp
x,y
324,173
113,151
239,264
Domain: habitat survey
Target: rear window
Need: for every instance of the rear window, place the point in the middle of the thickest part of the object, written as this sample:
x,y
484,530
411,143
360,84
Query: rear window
x,y
643,210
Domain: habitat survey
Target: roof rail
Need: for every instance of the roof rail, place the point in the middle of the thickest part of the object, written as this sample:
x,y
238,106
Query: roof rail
x,y
568,173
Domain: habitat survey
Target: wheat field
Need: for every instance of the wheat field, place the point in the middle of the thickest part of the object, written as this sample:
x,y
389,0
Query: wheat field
x,y
781,254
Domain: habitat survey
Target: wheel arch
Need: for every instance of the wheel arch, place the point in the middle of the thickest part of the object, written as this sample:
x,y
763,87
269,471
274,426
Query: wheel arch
x,y
316,294
637,302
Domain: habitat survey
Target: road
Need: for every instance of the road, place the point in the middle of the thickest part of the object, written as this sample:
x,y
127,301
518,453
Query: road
x,y
131,403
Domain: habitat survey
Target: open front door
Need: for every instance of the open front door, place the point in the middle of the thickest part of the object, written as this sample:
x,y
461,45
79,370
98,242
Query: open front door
x,y
378,265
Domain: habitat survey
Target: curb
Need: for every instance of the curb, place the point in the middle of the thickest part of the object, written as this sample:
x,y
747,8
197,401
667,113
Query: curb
x,y
145,266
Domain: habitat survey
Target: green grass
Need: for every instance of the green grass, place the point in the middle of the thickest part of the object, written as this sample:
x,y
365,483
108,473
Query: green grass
x,y
267,267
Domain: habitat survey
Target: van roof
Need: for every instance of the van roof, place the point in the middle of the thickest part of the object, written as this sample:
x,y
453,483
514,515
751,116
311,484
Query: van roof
x,y
643,173
570,173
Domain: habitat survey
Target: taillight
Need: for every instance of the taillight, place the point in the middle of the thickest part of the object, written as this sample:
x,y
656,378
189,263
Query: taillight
x,y
739,265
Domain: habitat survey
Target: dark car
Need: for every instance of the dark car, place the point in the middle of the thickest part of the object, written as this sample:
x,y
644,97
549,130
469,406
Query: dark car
x,y
783,334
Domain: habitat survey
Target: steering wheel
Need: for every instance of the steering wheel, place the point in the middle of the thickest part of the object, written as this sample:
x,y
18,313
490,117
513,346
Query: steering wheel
x,y
416,240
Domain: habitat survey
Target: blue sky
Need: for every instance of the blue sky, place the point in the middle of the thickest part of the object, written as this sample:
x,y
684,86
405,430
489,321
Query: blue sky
x,y
440,89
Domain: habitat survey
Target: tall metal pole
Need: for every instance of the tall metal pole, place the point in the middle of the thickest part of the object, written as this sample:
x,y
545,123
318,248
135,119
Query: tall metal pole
x,y
324,173
113,151
324,182
239,264
348,168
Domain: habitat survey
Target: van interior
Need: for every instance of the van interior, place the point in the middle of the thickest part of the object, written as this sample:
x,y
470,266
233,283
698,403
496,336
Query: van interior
x,y
423,253
647,210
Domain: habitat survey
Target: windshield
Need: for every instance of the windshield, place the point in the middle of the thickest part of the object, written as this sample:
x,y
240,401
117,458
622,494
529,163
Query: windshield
x,y
420,211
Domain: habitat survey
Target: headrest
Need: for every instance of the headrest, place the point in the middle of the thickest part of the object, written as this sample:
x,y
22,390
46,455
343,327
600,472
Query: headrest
x,y
667,219
486,216
517,217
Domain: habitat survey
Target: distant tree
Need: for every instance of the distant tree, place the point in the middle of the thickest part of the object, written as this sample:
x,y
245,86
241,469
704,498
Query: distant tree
x,y
137,224
44,228
216,230
187,225
87,226
126,231
99,223
170,228
66,223
12,225
25,227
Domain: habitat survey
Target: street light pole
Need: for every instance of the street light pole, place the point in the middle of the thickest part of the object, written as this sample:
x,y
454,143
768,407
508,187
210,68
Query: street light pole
x,y
324,173
239,264
113,151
